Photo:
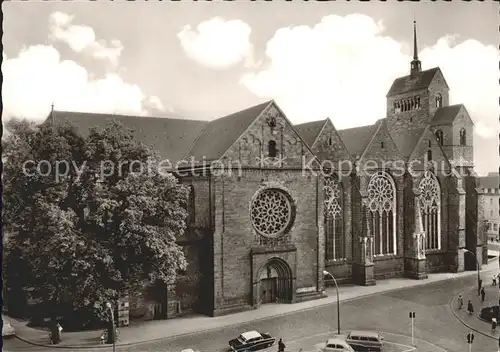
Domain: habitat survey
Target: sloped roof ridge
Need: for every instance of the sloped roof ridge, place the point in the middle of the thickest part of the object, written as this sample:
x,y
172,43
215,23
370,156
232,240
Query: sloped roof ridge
x,y
340,138
113,115
262,107
371,139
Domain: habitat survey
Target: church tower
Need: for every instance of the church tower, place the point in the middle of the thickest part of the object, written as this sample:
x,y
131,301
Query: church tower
x,y
416,65
413,100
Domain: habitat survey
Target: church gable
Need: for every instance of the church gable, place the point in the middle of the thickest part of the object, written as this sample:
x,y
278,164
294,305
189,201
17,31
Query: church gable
x,y
462,117
381,150
330,146
438,79
428,149
270,142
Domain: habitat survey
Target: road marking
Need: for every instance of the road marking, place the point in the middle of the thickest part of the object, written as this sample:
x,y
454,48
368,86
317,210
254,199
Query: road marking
x,y
410,348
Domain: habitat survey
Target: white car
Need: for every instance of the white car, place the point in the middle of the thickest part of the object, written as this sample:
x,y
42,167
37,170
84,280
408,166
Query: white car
x,y
7,329
337,345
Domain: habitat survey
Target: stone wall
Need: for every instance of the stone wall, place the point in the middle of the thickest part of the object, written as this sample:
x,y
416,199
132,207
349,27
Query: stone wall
x,y
235,237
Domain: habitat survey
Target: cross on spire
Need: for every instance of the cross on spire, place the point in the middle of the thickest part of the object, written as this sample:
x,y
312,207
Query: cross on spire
x,y
416,66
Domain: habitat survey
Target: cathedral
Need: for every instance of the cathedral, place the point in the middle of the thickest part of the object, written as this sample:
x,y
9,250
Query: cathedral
x,y
277,209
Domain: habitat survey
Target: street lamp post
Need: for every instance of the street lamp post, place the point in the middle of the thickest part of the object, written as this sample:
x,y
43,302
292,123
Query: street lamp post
x,y
478,275
113,335
326,273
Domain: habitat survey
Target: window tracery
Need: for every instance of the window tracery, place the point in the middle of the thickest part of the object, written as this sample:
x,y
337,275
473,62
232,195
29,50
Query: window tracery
x,y
430,200
334,234
271,213
382,207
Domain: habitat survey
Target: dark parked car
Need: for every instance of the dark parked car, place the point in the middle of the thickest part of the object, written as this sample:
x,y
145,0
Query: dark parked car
x,y
251,341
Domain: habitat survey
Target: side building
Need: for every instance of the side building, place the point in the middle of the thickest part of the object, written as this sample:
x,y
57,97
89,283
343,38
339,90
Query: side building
x,y
489,190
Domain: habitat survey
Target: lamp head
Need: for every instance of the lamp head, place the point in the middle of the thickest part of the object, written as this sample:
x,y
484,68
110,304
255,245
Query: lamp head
x,y
108,305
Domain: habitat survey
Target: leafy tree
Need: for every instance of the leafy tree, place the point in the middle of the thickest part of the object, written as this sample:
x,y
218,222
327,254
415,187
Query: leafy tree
x,y
105,225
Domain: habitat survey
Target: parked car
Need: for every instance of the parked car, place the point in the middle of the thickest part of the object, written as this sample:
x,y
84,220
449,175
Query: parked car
x,y
7,329
251,341
365,341
337,345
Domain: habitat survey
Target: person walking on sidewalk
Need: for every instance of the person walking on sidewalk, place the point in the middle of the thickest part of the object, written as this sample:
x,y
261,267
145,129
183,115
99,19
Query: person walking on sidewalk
x,y
483,293
281,346
494,280
470,308
460,301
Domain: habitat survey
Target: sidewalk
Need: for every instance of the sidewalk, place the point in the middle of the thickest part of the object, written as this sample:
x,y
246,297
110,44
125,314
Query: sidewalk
x,y
142,332
474,322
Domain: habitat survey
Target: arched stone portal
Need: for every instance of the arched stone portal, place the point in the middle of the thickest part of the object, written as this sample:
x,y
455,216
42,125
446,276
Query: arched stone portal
x,y
275,282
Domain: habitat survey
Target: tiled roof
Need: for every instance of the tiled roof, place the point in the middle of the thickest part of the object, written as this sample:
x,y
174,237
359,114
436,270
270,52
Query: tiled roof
x,y
356,139
406,141
309,131
446,115
408,84
170,137
218,135
489,182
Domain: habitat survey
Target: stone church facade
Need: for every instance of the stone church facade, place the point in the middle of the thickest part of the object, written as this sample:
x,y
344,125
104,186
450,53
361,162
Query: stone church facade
x,y
274,205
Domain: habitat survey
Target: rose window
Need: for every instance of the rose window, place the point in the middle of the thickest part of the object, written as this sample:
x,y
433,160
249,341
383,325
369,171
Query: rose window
x,y
271,212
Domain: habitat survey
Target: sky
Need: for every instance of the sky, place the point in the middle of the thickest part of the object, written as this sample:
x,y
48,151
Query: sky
x,y
203,60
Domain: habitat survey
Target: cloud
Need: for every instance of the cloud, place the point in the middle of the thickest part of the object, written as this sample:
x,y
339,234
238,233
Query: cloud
x,y
38,77
343,67
217,43
82,38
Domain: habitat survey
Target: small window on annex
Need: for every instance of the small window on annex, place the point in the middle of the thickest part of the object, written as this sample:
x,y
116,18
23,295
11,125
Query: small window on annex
x,y
272,152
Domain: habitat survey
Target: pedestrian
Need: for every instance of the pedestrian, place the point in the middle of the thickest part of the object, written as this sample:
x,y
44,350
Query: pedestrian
x,y
493,324
494,281
460,301
281,346
470,307
483,293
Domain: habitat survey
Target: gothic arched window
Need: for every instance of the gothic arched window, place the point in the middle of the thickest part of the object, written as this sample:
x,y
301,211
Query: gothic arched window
x,y
429,154
334,234
382,206
430,200
439,137
272,152
463,137
439,100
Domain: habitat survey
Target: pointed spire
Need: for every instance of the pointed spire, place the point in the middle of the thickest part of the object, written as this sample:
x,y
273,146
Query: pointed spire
x,y
52,116
415,64
415,50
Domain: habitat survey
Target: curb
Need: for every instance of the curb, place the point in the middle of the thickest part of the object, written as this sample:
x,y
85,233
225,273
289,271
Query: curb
x,y
166,338
451,304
